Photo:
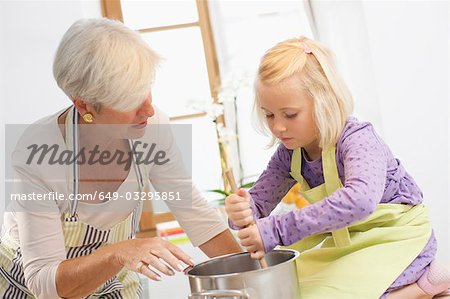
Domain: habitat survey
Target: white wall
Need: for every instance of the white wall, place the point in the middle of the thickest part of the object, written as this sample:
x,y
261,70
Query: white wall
x,y
394,55
341,25
29,35
411,69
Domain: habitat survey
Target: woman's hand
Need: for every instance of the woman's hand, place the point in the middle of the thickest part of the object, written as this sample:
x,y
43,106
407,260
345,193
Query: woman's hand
x,y
251,239
238,209
138,254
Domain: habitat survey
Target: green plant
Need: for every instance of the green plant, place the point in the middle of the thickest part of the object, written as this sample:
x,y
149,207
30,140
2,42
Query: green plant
x,y
225,193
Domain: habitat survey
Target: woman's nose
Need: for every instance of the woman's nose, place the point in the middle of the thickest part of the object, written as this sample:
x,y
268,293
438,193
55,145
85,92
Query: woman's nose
x,y
147,107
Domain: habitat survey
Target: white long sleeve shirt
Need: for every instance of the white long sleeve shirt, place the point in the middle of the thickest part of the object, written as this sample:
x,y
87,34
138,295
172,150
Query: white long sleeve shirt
x,y
39,231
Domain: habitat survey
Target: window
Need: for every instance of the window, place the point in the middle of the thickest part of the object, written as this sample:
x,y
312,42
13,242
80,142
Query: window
x,y
187,81
187,33
244,30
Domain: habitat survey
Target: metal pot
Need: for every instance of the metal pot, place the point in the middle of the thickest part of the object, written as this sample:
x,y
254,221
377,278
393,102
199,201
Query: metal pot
x,y
239,276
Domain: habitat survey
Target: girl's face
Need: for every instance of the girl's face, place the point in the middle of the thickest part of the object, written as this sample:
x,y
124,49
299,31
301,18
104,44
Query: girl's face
x,y
289,111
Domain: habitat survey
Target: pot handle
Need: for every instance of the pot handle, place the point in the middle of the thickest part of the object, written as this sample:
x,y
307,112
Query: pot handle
x,y
219,293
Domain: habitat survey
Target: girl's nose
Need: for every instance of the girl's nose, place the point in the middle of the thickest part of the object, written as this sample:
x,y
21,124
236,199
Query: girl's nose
x,y
278,127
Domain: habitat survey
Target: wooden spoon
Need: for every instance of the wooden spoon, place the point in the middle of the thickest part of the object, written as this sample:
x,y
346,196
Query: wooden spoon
x,y
234,189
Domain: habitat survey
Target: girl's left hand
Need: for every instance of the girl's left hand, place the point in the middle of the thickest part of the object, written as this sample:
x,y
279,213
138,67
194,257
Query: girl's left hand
x,y
251,239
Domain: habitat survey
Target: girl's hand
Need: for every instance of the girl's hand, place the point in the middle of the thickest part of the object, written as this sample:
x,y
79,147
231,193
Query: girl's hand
x,y
138,254
238,209
251,239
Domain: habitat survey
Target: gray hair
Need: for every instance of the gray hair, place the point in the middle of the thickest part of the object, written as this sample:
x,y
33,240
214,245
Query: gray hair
x,y
103,62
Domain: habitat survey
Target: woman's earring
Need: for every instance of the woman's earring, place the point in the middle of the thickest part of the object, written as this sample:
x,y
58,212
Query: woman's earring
x,y
88,117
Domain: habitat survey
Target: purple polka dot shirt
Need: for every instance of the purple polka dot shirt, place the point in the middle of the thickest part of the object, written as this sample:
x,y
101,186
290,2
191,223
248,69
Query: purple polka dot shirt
x,y
370,175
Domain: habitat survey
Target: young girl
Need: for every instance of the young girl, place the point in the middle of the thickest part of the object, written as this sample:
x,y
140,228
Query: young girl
x,y
365,210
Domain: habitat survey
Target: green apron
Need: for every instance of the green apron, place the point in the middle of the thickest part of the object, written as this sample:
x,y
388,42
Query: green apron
x,y
361,260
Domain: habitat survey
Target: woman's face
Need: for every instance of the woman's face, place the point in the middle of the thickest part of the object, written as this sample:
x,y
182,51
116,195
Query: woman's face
x,y
289,112
112,123
137,117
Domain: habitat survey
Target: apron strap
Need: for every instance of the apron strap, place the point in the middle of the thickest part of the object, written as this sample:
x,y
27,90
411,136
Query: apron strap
x,y
296,169
330,172
136,163
341,236
72,130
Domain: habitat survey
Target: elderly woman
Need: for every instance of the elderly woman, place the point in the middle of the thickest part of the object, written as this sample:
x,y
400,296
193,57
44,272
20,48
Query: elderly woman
x,y
59,247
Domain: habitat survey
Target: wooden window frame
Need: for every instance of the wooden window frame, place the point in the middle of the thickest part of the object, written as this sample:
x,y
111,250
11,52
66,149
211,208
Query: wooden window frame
x,y
112,9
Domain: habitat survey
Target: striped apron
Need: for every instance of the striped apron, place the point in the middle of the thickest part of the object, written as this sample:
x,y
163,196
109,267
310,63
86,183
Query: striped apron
x,y
80,239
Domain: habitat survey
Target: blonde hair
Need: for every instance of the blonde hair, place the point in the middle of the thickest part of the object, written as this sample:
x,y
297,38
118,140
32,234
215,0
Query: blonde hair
x,y
333,102
103,62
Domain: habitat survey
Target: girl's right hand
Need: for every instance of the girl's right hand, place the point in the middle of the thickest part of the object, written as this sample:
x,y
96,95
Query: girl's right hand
x,y
238,208
149,251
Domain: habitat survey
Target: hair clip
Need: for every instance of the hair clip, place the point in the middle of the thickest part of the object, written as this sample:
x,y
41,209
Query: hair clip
x,y
305,47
